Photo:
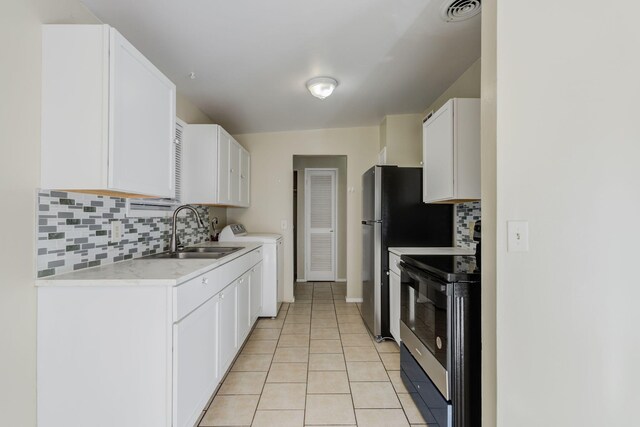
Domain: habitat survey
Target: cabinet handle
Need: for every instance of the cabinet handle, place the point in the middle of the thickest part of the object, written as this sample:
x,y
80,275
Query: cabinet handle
x,y
231,170
205,280
241,176
242,280
253,270
388,273
221,296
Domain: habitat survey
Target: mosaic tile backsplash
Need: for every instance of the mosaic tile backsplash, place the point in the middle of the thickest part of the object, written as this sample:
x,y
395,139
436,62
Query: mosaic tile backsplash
x,y
465,213
74,232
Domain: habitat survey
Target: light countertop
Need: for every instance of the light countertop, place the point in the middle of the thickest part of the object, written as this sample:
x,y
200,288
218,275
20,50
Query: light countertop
x,y
432,251
147,272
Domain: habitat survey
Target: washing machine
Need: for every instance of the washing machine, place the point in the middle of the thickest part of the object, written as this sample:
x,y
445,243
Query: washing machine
x,y
272,264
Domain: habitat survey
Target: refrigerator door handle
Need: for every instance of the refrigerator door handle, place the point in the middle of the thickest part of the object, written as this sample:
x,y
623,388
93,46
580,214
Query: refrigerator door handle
x,y
371,222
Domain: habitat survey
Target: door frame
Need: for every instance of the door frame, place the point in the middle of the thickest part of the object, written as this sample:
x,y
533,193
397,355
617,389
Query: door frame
x,y
307,202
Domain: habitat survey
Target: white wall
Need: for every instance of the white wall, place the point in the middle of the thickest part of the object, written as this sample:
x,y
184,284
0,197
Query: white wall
x,y
272,183
466,86
568,153
20,44
488,180
402,135
189,112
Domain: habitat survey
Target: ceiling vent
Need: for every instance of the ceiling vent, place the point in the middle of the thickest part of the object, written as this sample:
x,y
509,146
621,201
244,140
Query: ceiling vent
x,y
460,10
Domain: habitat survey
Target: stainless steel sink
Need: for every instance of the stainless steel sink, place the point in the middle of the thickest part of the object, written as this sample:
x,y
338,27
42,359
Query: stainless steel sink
x,y
195,253
211,249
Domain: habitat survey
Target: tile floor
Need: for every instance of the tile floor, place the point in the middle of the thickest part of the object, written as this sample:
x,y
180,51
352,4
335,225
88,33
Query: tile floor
x,y
314,365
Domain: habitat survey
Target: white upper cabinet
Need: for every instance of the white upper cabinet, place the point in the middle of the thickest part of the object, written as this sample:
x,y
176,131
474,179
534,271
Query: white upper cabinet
x,y
451,152
215,169
108,115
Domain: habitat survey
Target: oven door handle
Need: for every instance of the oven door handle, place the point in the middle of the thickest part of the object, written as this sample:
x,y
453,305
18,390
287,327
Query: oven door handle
x,y
420,277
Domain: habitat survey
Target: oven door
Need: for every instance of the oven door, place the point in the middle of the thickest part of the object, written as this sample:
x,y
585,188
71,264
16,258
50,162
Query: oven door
x,y
425,309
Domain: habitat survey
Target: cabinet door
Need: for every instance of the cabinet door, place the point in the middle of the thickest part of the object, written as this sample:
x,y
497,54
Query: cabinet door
x,y
195,374
227,327
438,155
224,147
244,302
256,291
142,123
394,305
245,173
234,173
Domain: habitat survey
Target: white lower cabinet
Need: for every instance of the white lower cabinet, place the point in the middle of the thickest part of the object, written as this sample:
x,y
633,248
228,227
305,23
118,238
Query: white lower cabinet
x,y
255,283
141,356
195,362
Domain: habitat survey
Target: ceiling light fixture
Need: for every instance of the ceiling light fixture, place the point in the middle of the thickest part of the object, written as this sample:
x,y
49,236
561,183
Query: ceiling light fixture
x,y
321,87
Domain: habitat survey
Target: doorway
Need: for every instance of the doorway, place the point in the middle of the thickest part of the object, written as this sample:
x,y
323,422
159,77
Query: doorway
x,y
319,195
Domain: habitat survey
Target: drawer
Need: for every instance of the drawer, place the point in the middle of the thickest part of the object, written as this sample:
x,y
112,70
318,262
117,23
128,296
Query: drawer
x,y
394,263
233,269
189,295
434,408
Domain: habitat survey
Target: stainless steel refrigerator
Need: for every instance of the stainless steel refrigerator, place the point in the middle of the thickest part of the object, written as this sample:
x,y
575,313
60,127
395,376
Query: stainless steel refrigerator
x,y
393,215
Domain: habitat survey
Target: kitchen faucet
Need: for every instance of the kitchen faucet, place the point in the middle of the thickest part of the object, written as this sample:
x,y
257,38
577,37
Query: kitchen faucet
x,y
175,241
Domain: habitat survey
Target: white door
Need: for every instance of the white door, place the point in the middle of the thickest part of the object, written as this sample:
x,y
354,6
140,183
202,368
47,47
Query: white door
x,y
256,291
227,327
142,126
320,224
194,362
244,304
394,305
245,172
438,155
224,146
234,172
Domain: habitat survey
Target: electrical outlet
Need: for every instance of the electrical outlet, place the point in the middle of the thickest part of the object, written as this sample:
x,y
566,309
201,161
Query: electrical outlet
x,y
116,231
517,236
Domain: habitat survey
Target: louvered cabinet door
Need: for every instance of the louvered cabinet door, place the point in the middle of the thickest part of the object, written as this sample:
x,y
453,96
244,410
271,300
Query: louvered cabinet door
x,y
320,224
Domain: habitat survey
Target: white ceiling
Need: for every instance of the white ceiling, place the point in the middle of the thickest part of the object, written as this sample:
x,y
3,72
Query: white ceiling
x,y
252,57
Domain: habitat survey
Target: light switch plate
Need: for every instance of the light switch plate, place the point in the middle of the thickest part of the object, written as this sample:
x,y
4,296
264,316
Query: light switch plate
x,y
517,236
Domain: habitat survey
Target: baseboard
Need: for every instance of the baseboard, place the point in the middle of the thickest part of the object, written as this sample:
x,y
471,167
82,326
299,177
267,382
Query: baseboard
x,y
354,299
341,280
